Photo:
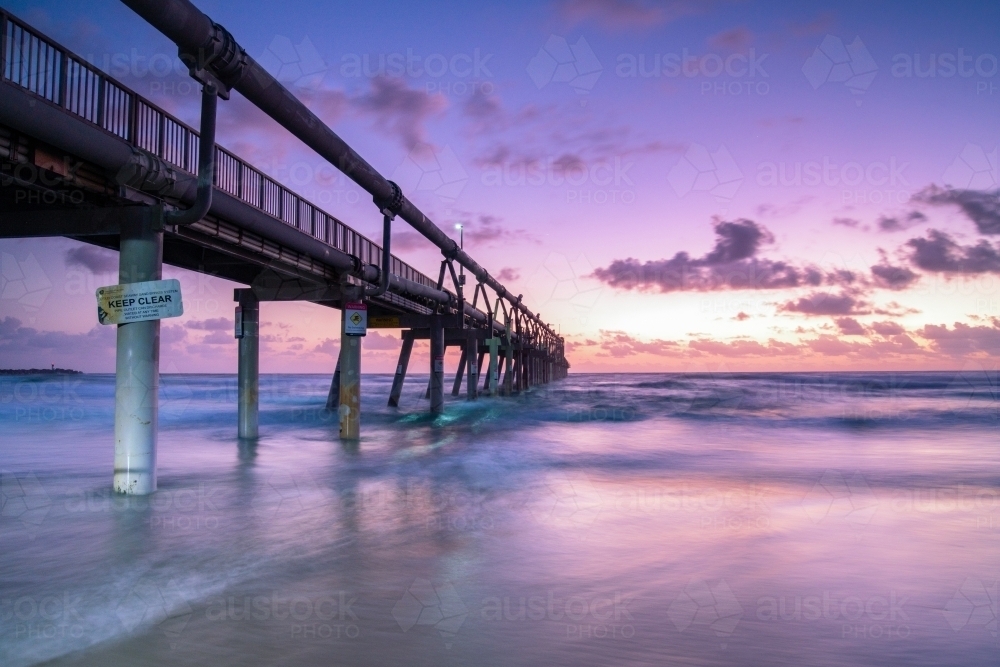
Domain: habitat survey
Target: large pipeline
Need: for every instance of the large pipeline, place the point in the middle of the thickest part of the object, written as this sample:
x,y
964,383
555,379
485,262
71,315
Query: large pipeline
x,y
206,42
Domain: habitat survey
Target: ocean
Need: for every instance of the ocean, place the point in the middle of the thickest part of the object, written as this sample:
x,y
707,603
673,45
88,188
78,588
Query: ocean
x,y
639,519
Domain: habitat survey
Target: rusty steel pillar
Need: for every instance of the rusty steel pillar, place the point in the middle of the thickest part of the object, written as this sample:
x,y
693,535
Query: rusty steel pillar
x,y
437,365
248,376
350,375
401,366
471,350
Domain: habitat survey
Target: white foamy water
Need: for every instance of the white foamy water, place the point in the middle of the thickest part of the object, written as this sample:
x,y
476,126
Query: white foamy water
x,y
752,519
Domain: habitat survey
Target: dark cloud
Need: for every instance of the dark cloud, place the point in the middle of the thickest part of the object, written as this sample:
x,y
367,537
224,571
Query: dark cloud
x,y
744,348
217,337
822,303
818,26
731,264
630,14
484,230
895,309
739,38
939,252
328,346
568,163
887,328
981,207
92,258
846,222
892,277
376,341
483,106
899,223
213,324
401,110
962,338
619,344
27,347
850,326
507,273
737,240
521,143
741,316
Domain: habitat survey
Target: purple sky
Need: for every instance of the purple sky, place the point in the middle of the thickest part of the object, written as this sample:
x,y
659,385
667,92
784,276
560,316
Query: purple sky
x,y
676,185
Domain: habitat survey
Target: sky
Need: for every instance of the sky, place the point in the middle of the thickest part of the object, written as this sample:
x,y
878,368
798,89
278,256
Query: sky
x,y
674,185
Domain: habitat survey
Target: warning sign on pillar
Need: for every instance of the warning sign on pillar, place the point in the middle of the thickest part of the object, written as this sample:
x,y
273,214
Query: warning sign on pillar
x,y
355,318
139,302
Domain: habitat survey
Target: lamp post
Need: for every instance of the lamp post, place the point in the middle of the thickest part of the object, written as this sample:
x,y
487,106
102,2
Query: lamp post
x,y
461,244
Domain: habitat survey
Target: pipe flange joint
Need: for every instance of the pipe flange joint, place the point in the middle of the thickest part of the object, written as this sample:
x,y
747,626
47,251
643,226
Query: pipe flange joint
x,y
220,61
391,206
451,253
357,268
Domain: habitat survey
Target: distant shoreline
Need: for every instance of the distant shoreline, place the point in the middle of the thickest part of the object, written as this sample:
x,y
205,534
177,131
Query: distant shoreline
x,y
39,371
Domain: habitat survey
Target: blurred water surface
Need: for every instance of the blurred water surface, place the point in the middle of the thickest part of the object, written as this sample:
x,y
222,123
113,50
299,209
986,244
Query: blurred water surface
x,y
747,519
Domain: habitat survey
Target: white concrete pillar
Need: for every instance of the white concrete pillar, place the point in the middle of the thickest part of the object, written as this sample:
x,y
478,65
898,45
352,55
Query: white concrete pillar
x,y
137,367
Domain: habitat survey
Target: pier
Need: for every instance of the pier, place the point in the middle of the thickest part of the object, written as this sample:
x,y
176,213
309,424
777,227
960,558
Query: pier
x,y
82,156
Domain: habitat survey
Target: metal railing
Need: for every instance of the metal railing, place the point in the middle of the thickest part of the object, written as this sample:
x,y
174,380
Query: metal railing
x,y
43,67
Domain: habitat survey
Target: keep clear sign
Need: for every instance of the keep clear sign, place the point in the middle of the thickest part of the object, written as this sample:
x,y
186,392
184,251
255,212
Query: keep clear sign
x,y
139,302
355,318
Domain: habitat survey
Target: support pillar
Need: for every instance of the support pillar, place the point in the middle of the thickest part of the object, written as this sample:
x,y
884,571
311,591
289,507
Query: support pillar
x,y
472,381
493,378
248,382
437,365
526,372
137,366
458,374
404,362
350,380
508,365
333,396
515,371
